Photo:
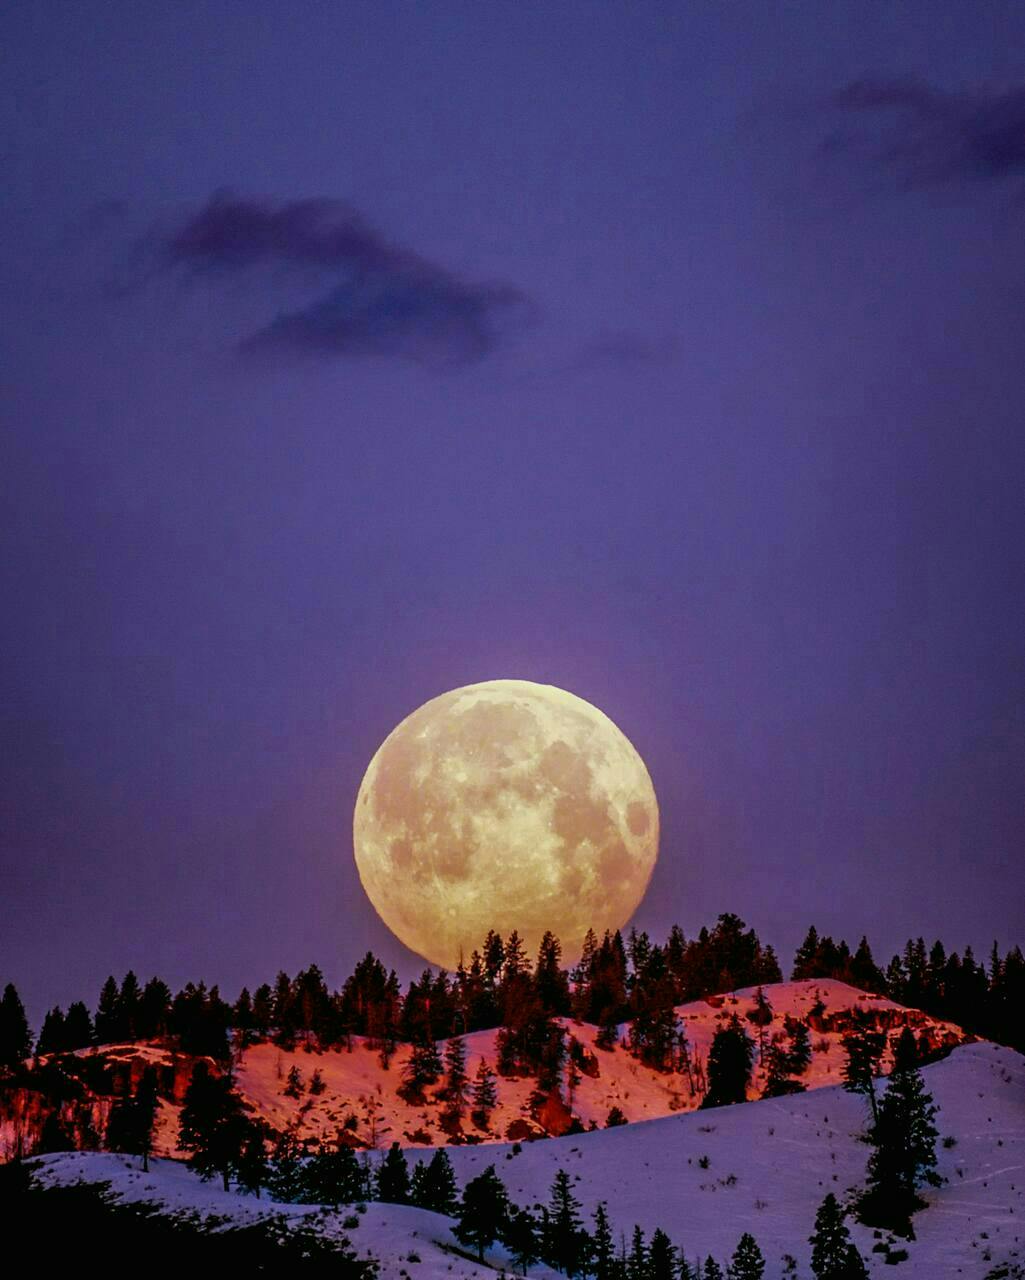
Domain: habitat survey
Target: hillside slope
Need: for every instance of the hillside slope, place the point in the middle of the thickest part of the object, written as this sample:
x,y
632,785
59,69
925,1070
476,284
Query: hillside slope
x,y
356,1086
769,1164
360,1096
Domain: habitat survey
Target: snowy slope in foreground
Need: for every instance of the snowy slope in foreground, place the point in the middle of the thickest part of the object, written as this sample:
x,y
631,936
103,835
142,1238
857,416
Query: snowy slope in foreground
x,y
769,1166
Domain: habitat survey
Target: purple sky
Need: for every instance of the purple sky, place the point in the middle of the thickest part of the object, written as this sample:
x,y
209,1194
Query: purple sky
x,y
669,353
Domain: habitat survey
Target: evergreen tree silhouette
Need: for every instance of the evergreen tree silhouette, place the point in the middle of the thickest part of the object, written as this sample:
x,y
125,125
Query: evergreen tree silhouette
x,y
153,1010
904,1143
440,1185
483,1212
128,999
213,1125
53,1036
418,1185
779,1080
132,1120
661,1257
729,1065
863,1050
393,1177
550,981
485,1094
286,1173
108,1026
833,1254
747,1262
423,1067
637,1259
603,1255
15,1036
455,1074
566,1243
332,1175
519,1234
806,957
253,1168
78,1027
799,1051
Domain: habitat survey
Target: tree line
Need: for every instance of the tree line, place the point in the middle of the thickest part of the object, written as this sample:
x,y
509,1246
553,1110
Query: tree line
x,y
616,981
985,999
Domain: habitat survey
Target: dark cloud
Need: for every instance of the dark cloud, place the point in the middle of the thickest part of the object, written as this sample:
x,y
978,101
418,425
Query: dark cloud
x,y
926,136
374,297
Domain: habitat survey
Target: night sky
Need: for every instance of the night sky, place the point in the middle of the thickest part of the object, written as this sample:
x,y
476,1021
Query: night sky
x,y
669,353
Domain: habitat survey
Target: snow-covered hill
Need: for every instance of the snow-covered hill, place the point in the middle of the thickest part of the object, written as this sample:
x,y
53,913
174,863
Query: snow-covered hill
x,y
361,1097
357,1090
706,1177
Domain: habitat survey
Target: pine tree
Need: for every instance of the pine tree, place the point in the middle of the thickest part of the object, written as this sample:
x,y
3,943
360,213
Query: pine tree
x,y
418,1185
799,1052
661,1257
286,1174
108,1027
483,1211
440,1194
711,1270
213,1126
566,1243
15,1036
833,1254
747,1262
493,957
78,1027
132,1120
778,1078
806,957
393,1177
128,999
153,1010
729,1065
252,1170
863,1050
263,1012
608,1031
864,971
485,1094
603,1256
423,1067
455,1074
550,981
317,1085
293,1083
519,1233
904,1144
53,1036
761,1013
333,1175
637,1260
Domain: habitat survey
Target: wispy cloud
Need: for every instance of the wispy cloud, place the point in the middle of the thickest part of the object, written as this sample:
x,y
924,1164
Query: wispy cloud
x,y
926,136
370,297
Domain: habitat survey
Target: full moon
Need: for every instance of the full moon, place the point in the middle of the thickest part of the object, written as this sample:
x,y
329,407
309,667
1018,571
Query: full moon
x,y
504,805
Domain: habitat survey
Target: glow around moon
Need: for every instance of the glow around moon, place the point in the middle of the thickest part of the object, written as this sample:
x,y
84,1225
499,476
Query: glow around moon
x,y
504,805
